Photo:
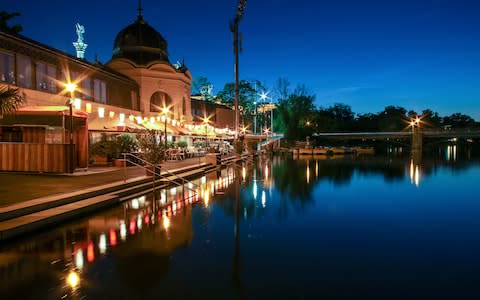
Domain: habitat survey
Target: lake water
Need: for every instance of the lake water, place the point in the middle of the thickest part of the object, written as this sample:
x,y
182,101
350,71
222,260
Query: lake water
x,y
368,227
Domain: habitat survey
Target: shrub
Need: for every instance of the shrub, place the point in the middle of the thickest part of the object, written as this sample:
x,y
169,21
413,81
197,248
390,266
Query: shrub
x,y
153,149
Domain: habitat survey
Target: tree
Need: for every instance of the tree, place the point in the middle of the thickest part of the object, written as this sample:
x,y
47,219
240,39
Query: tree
x,y
343,116
392,118
282,88
296,114
201,85
458,120
4,18
247,91
431,119
10,100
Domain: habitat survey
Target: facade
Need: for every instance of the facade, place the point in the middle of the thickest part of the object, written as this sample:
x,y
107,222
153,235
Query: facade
x,y
137,89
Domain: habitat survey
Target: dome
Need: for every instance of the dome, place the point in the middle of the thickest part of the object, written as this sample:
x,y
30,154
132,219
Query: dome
x,y
140,43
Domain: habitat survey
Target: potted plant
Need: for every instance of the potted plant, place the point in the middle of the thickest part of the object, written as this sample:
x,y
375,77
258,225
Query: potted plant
x,y
124,143
153,151
182,144
101,152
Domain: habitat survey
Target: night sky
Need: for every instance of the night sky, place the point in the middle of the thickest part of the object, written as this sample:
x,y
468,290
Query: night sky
x,y
367,54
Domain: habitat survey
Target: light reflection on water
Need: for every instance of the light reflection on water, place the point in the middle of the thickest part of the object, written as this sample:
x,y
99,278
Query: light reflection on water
x,y
340,227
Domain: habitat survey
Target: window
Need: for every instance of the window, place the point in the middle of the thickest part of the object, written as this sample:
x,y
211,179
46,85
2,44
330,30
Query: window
x,y
51,78
159,100
46,75
41,75
7,68
99,91
24,69
86,88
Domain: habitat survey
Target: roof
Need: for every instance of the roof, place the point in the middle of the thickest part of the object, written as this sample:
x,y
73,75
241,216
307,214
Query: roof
x,y
140,43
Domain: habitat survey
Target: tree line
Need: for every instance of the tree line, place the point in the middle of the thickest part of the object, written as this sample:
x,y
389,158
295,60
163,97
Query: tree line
x,y
296,115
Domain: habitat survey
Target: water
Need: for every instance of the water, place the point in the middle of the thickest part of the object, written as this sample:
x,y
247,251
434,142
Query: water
x,y
384,227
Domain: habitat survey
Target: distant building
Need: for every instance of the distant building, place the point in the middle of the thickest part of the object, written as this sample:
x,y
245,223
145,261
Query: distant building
x,y
219,114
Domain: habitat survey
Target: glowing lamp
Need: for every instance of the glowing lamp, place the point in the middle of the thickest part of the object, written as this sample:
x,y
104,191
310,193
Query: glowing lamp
x,y
73,279
77,103
101,112
121,118
111,114
88,107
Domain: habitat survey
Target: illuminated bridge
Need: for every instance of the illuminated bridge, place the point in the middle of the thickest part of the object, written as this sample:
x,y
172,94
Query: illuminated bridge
x,y
399,134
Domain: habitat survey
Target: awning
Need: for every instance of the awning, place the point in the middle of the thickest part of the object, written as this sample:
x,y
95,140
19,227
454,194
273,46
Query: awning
x,y
173,130
95,123
50,110
54,116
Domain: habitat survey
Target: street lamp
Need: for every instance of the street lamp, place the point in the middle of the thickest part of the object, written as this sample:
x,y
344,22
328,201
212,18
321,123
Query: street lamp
x,y
70,87
165,113
263,97
236,45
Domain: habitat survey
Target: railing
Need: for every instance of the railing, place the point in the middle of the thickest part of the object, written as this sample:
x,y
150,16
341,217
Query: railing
x,y
147,163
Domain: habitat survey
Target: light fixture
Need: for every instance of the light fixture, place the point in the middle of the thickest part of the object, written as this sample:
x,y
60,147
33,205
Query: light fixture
x,y
88,107
77,103
101,112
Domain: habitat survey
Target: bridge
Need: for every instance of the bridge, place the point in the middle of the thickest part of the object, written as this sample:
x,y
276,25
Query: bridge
x,y
400,134
416,134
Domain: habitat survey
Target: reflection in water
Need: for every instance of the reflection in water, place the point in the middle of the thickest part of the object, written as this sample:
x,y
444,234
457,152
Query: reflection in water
x,y
451,152
178,244
414,173
308,171
73,279
82,245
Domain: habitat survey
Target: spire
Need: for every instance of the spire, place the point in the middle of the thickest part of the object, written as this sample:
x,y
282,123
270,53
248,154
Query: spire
x,y
140,9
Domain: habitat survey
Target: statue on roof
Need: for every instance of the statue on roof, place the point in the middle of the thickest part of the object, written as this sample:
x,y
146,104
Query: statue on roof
x,y
79,45
80,32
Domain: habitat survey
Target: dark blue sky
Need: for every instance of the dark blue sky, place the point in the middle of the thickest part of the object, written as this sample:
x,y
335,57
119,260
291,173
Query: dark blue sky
x,y
367,54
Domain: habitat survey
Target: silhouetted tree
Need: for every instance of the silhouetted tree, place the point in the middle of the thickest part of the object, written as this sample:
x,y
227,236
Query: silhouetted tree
x,y
4,18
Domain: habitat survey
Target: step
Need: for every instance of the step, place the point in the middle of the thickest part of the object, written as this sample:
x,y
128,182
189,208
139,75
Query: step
x,y
47,211
34,221
189,174
43,203
47,202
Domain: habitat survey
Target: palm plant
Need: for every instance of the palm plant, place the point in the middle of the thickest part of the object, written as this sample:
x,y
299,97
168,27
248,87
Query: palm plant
x,y
10,100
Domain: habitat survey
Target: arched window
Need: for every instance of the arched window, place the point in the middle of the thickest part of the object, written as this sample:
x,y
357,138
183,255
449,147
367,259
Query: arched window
x,y
159,100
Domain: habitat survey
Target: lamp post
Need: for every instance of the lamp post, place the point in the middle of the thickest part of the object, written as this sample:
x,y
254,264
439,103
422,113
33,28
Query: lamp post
x,y
416,135
165,112
236,41
70,87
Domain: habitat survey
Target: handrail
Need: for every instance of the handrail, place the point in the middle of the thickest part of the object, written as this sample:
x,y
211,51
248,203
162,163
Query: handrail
x,y
153,171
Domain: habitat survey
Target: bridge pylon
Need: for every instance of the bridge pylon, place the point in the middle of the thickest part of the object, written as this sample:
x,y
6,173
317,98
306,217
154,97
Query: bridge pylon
x,y
417,139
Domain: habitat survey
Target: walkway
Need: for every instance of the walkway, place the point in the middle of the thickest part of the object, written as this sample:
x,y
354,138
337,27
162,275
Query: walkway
x,y
17,187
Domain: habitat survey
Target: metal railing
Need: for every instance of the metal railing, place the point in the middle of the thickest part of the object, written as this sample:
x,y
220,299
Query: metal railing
x,y
160,175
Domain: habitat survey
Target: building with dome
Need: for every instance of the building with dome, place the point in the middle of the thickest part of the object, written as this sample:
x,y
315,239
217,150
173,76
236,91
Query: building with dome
x,y
140,53
137,89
